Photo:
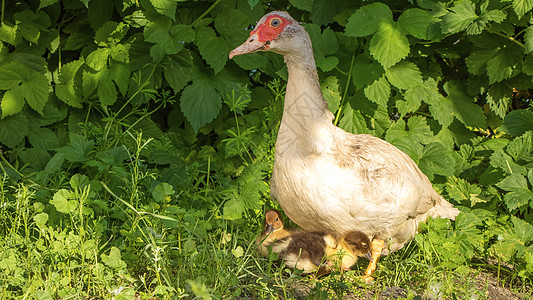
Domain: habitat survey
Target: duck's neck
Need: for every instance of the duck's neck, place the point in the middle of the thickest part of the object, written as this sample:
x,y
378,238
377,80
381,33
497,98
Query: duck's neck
x,y
306,122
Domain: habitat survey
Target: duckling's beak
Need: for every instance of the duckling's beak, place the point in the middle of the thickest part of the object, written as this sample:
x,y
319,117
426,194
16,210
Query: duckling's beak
x,y
269,228
368,256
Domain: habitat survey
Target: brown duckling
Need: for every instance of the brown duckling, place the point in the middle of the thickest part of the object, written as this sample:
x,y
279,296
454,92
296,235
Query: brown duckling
x,y
273,230
311,251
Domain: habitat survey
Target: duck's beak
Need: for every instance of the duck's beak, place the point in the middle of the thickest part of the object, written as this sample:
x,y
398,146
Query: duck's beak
x,y
368,256
252,44
270,227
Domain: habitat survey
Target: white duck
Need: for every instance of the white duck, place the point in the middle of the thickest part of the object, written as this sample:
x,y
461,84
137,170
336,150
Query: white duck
x,y
326,179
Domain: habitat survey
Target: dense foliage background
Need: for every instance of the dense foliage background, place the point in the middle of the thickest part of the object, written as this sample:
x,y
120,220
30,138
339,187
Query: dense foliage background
x,y
135,158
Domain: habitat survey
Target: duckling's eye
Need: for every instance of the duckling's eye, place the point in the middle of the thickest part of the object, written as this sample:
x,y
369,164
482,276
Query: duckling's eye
x,y
277,219
275,23
364,245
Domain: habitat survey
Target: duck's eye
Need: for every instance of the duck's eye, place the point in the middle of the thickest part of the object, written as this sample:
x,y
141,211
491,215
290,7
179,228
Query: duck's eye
x,y
364,245
275,23
277,219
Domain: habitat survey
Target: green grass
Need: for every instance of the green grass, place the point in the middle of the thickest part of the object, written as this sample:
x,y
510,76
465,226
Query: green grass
x,y
202,256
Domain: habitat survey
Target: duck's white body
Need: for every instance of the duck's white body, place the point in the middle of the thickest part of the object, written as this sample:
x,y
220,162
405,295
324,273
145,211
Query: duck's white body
x,y
329,180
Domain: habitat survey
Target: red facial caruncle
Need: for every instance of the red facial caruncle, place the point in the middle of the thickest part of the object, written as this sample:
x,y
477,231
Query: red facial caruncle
x,y
270,28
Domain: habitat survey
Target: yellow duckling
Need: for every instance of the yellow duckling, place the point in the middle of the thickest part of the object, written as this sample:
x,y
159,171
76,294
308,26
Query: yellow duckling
x,y
273,230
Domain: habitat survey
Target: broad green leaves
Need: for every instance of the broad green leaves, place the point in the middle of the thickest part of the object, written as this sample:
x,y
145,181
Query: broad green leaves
x,y
200,103
22,85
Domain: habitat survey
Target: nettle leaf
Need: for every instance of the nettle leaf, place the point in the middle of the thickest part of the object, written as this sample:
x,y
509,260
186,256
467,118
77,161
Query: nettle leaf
x,y
521,7
323,12
353,121
517,122
476,62
232,24
366,20
24,84
464,108
461,190
324,43
64,201
422,91
436,159
365,71
165,7
200,103
303,4
212,48
120,72
418,131
78,148
499,98
404,75
66,89
102,82
389,45
110,33
13,129
379,91
523,229
502,65
518,194
168,39
459,17
415,22
330,90
178,70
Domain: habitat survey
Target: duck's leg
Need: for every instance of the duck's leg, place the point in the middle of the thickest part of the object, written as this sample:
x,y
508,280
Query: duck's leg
x,y
376,247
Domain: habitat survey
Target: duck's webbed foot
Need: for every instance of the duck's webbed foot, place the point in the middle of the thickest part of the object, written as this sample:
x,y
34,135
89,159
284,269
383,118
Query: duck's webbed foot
x,y
376,247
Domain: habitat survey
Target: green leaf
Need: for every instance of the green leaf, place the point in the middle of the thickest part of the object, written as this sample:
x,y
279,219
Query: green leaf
x,y
303,4
43,138
162,192
517,122
367,19
165,7
330,90
527,66
379,91
114,259
212,48
66,89
12,102
233,209
45,3
518,194
404,75
464,108
107,92
78,148
200,103
168,40
120,72
477,61
353,121
323,12
528,40
415,22
64,201
521,7
98,58
40,220
324,44
13,129
502,65
8,33
418,131
389,45
459,17
110,33
499,97
523,229
461,190
436,159
422,91
178,70
365,71
79,181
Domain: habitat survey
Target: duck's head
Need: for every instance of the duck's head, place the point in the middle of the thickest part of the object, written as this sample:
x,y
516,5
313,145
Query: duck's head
x,y
273,221
276,31
359,243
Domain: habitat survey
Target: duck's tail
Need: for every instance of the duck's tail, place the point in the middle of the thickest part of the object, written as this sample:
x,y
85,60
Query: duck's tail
x,y
443,209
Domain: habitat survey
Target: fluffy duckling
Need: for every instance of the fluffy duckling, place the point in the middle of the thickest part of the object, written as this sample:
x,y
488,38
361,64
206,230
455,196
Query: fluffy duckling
x,y
273,230
311,251
345,253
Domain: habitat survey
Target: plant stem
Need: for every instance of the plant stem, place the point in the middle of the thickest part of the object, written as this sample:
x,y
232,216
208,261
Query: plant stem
x,y
204,14
337,117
